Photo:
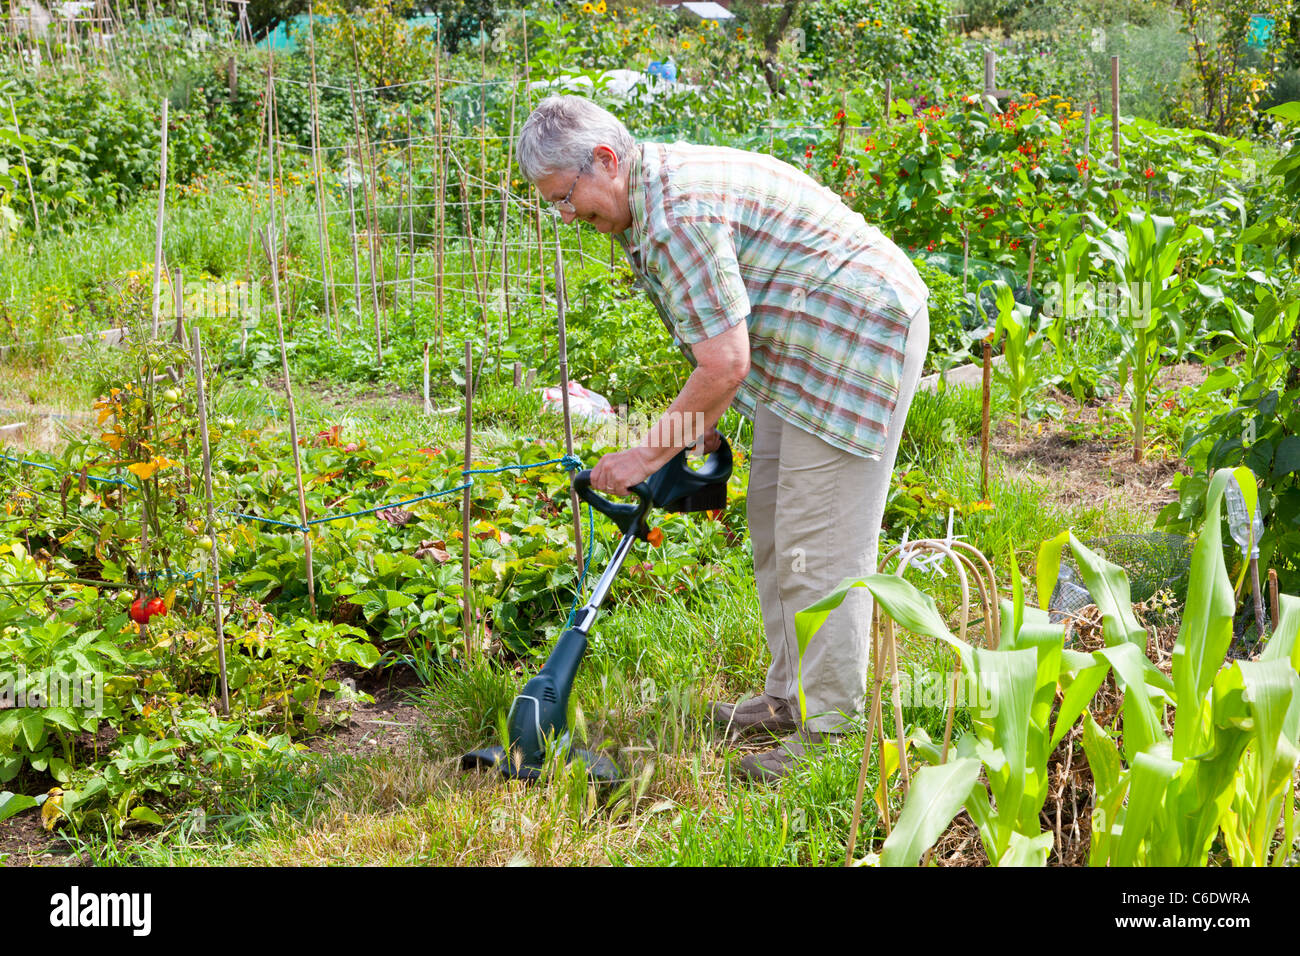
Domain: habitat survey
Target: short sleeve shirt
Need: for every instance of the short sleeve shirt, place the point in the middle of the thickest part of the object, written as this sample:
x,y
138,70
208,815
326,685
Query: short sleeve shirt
x,y
721,236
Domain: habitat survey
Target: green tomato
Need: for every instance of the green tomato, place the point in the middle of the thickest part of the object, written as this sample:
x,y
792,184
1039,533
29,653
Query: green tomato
x,y
125,596
172,395
205,544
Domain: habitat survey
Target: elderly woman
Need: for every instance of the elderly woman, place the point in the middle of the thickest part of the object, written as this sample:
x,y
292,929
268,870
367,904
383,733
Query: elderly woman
x,y
806,319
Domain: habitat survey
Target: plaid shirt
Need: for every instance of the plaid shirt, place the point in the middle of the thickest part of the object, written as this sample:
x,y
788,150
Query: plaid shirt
x,y
720,236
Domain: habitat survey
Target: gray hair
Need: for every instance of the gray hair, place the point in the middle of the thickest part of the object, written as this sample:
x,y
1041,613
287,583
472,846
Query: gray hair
x,y
562,132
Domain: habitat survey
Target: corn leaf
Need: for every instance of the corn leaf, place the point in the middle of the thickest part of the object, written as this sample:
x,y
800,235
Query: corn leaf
x,y
1149,779
1206,628
1110,591
936,796
1078,695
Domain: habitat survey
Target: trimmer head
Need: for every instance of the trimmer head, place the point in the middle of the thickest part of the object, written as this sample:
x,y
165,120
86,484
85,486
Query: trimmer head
x,y
598,767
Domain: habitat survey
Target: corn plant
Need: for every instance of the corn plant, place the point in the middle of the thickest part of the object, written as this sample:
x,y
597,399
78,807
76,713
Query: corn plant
x,y
1161,799
1012,733
1228,765
1021,348
1145,256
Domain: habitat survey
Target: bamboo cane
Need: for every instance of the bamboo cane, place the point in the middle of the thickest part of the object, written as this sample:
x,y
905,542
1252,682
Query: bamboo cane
x,y
268,244
158,226
211,525
370,225
322,225
560,298
471,630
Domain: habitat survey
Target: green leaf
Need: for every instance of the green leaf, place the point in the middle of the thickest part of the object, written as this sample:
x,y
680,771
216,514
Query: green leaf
x,y
1290,112
935,797
146,815
11,803
1103,755
1148,781
1206,629
1078,695
33,725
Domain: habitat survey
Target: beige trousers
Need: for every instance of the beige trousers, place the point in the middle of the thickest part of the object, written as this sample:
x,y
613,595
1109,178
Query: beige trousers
x,y
814,518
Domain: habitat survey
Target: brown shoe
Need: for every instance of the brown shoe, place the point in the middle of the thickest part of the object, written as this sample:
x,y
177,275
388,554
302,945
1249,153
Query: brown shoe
x,y
770,766
761,714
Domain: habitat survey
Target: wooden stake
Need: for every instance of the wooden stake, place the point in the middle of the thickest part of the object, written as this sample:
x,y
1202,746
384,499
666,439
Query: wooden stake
x,y
1114,108
410,208
984,421
561,296
158,227
356,265
470,628
322,225
1033,251
1087,129
370,225
1272,595
428,405
990,72
268,244
440,171
889,100
212,525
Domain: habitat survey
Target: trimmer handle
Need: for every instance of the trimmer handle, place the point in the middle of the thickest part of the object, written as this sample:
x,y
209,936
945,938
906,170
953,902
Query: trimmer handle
x,y
628,517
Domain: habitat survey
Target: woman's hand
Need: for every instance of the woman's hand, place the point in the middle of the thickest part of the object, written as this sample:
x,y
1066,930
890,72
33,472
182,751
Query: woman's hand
x,y
618,471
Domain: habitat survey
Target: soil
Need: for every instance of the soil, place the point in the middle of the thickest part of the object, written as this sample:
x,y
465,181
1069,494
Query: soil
x,y
1100,468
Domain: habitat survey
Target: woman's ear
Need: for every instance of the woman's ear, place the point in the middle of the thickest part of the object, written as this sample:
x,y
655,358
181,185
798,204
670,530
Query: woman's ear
x,y
605,158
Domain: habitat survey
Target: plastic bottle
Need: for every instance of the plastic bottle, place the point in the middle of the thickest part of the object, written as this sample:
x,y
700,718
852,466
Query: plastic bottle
x,y
1239,523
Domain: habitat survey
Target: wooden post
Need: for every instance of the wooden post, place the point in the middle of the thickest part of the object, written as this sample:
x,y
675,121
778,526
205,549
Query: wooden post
x,y
1272,596
410,209
561,297
158,227
1114,108
212,525
1087,129
467,600
1033,251
990,72
181,336
843,123
965,254
356,264
268,244
428,404
370,226
440,170
322,224
232,79
984,420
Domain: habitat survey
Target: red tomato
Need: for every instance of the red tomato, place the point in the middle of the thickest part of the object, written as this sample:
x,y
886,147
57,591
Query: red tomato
x,y
156,606
139,612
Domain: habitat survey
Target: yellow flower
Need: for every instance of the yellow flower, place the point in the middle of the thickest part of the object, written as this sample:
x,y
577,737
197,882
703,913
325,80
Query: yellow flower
x,y
587,8
686,44
876,22
600,7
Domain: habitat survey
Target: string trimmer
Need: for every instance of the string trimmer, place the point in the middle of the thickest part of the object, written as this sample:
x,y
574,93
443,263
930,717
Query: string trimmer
x,y
540,712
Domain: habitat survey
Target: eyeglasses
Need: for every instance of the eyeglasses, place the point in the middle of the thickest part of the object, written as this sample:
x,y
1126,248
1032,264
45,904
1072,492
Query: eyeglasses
x,y
564,205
